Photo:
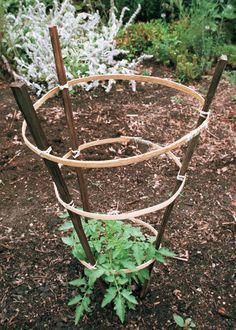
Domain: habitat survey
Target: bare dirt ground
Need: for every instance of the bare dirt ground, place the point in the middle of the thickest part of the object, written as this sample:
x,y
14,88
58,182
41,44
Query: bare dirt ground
x,y
35,264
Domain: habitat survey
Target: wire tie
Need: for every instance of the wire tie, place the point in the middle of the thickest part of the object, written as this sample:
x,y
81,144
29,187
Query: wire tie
x,y
47,151
76,153
93,266
204,114
61,87
180,177
72,203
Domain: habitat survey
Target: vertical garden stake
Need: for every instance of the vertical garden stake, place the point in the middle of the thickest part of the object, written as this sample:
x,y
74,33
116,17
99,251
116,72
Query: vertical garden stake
x,y
26,107
61,73
187,158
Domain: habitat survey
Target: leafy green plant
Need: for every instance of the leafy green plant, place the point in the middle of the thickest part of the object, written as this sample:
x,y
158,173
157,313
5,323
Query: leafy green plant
x,y
2,19
230,51
116,246
150,8
139,37
186,324
233,98
191,44
146,72
172,5
231,76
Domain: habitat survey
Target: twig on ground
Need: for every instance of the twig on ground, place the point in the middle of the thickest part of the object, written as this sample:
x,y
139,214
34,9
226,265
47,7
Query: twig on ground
x,y
11,160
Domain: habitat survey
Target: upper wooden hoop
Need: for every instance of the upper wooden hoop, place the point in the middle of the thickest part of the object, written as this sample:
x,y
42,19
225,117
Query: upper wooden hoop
x,y
120,161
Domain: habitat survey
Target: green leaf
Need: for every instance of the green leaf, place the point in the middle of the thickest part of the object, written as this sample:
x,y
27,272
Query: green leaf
x,y
68,240
78,252
128,296
138,253
152,239
192,324
78,282
67,225
94,275
64,215
116,253
166,252
128,264
130,305
110,278
122,280
151,252
136,232
109,296
78,313
178,320
97,245
75,300
102,259
159,257
120,308
86,303
144,273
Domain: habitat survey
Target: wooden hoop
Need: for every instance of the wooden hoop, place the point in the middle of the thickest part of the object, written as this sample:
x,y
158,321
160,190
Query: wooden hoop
x,y
128,215
140,78
120,161
126,270
121,139
122,216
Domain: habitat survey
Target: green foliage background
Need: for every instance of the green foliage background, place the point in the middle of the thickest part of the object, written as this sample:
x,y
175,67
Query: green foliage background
x,y
187,35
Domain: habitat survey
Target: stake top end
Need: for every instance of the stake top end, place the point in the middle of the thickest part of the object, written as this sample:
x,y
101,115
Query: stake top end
x,y
223,58
17,84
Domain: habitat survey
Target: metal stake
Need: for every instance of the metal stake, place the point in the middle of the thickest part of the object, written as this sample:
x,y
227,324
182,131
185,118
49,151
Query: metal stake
x,y
26,107
61,73
187,158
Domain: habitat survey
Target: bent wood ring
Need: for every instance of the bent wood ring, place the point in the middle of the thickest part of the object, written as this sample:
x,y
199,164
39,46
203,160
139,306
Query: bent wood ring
x,y
127,270
128,215
118,161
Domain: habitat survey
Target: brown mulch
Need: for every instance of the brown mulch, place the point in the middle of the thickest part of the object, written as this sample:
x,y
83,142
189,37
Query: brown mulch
x,y
36,266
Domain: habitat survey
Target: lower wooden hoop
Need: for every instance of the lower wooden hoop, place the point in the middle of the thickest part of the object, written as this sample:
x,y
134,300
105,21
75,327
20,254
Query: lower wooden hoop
x,y
127,270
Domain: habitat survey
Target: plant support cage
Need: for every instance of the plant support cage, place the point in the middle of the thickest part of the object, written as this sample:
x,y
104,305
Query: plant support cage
x,y
72,157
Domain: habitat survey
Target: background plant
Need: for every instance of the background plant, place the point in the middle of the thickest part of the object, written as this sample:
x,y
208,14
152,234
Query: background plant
x,y
190,41
88,45
151,9
116,246
14,5
189,37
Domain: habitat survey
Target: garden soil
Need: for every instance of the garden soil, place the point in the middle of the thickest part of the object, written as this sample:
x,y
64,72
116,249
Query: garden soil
x,y
35,265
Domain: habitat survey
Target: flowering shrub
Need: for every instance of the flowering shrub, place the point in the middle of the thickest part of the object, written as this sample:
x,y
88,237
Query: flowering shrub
x,y
88,46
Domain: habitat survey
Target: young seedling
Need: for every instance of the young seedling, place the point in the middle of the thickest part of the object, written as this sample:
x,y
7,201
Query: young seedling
x,y
116,246
186,324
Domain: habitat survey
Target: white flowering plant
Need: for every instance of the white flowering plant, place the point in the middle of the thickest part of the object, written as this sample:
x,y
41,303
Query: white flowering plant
x,y
88,45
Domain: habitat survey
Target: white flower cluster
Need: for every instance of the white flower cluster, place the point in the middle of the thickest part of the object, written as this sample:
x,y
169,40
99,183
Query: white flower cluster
x,y
88,46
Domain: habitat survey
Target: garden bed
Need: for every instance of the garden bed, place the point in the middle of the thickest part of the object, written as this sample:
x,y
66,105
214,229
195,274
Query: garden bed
x,y
35,264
